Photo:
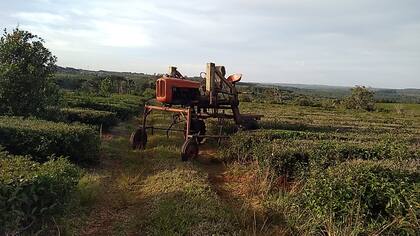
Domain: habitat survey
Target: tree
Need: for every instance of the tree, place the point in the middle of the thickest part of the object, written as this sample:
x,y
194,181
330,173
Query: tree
x,y
360,98
106,87
26,69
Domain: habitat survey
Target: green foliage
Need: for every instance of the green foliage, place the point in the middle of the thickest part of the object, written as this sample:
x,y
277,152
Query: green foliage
x,y
41,139
90,81
304,101
105,87
188,197
124,106
88,116
379,192
360,98
292,154
149,93
26,68
30,192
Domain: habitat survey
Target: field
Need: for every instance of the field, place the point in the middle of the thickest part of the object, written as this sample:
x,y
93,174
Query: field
x,y
314,167
242,190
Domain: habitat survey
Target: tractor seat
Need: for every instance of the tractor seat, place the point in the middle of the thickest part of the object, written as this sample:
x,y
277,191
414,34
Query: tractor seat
x,y
234,78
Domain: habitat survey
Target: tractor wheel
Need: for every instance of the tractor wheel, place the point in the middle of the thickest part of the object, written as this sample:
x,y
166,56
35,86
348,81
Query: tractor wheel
x,y
138,139
197,126
189,150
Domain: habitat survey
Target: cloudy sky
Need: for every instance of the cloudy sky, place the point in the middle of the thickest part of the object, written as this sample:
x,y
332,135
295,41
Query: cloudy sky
x,y
334,42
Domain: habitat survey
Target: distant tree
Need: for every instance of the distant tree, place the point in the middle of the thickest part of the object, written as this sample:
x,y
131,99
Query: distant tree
x,y
106,87
360,98
26,68
304,101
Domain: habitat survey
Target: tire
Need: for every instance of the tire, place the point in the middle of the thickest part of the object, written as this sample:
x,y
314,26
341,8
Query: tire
x,y
197,126
138,139
189,150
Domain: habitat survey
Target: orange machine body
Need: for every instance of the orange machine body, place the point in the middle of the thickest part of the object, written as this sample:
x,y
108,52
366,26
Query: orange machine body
x,y
172,90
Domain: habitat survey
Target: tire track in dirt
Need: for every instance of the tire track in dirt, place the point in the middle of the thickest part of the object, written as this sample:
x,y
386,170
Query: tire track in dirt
x,y
232,190
111,211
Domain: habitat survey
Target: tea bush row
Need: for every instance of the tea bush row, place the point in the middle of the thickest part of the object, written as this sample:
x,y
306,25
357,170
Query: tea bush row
x,y
40,139
359,127
294,157
377,193
124,106
30,191
97,118
105,119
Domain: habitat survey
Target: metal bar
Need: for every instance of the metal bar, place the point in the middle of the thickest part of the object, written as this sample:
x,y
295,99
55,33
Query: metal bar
x,y
167,109
188,123
218,115
145,114
209,136
159,128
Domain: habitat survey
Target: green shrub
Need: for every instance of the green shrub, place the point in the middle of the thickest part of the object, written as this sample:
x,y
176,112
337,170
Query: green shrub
x,y
30,191
92,117
224,127
124,106
41,139
377,192
292,154
360,98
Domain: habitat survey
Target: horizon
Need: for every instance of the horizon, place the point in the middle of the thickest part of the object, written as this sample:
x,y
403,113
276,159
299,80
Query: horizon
x,y
267,83
321,42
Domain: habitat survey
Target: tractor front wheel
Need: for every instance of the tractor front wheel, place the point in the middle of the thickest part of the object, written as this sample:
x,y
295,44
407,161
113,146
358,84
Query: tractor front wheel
x,y
138,139
189,149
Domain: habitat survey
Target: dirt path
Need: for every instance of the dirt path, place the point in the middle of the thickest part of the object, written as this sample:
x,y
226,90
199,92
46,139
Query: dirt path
x,y
217,174
122,205
232,190
107,209
114,202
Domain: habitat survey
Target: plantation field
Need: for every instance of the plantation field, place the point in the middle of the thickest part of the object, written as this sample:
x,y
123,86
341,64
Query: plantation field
x,y
307,171
322,161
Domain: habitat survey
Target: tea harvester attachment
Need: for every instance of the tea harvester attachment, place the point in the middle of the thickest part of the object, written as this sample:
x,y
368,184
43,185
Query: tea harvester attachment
x,y
193,102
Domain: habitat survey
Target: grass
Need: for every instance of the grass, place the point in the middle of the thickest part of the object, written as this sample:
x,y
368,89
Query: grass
x,y
330,134
151,192
147,192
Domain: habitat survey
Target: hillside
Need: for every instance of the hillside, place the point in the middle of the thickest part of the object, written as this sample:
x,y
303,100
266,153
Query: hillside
x,y
408,95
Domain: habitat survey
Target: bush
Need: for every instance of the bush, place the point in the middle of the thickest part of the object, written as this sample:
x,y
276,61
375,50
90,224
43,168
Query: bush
x,y
30,192
290,154
360,98
93,117
41,139
124,106
376,192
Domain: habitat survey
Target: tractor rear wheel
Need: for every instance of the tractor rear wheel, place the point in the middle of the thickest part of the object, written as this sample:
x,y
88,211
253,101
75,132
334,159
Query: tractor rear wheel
x,y
197,126
138,139
189,149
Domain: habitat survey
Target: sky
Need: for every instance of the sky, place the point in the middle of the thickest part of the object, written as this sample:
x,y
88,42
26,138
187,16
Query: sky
x,y
332,42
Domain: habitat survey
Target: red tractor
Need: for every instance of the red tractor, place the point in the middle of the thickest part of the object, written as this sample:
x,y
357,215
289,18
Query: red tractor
x,y
193,102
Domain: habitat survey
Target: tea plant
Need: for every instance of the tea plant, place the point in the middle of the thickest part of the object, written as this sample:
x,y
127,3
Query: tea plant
x,y
41,139
30,192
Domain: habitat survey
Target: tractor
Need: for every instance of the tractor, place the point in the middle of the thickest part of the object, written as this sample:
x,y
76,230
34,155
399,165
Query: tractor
x,y
193,102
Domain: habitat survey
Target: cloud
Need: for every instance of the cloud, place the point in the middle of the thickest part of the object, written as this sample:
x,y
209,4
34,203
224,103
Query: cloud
x,y
40,17
323,41
121,34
